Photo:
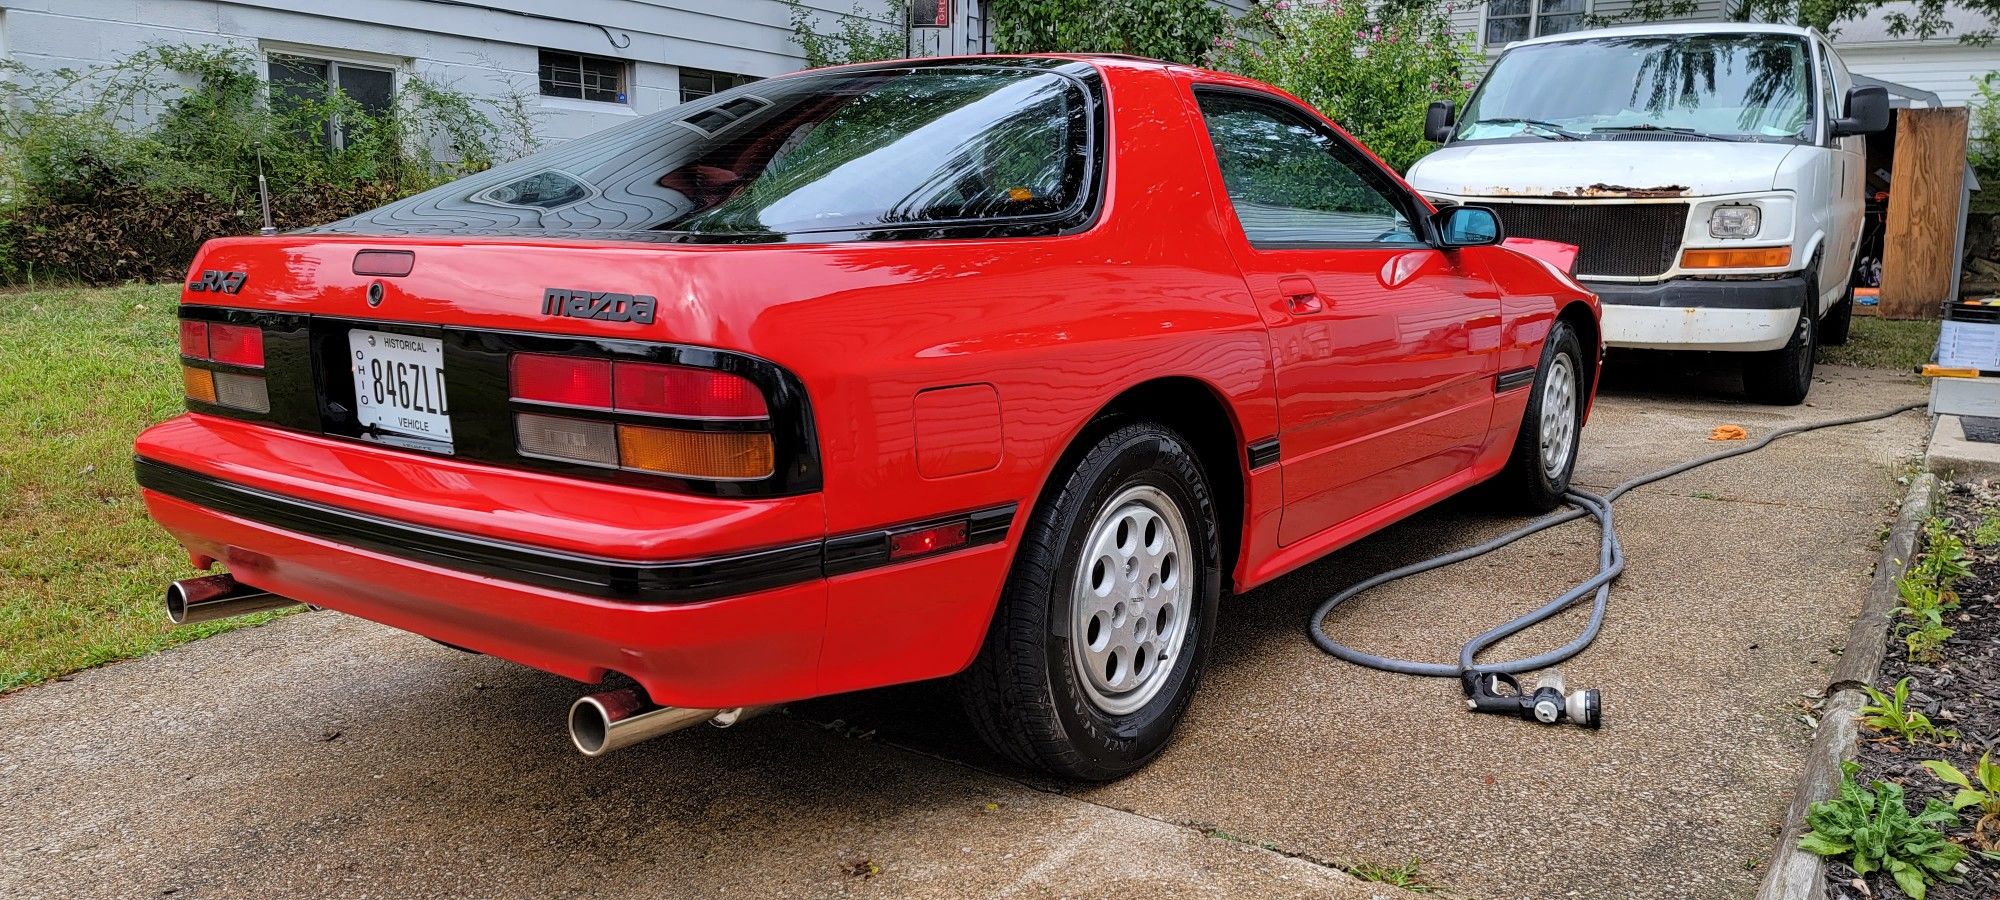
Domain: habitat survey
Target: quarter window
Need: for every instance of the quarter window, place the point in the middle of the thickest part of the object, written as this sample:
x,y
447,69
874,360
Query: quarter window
x,y
1516,20
574,76
698,83
1293,181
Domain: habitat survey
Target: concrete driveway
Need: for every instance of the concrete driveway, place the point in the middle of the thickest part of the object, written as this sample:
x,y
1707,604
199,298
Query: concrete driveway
x,y
328,755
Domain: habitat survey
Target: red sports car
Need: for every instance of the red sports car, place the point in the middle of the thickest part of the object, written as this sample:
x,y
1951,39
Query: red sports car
x,y
1000,368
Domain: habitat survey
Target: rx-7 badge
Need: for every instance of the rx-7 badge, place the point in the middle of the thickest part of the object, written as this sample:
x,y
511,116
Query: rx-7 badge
x,y
598,305
220,281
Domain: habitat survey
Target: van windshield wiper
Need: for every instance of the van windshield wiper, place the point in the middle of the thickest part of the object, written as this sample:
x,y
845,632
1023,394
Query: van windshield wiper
x,y
1550,127
1625,129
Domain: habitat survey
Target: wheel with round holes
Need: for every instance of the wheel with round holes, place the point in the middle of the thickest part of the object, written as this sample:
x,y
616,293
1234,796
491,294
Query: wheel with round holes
x,y
1106,617
1544,456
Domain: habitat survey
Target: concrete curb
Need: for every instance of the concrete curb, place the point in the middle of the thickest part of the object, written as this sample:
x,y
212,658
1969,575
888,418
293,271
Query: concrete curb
x,y
1794,874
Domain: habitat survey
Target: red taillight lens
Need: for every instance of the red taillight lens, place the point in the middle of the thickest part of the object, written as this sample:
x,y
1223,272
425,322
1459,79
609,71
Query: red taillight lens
x,y
194,339
685,392
561,379
237,345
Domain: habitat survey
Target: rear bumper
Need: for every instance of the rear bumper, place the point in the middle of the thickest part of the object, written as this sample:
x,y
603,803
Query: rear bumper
x,y
1701,314
705,602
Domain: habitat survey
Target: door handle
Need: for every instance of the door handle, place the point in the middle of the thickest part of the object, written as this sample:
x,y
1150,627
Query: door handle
x,y
1301,298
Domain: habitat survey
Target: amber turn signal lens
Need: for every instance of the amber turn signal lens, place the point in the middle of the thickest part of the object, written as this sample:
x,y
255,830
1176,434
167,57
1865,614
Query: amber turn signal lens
x,y
1749,258
713,455
200,384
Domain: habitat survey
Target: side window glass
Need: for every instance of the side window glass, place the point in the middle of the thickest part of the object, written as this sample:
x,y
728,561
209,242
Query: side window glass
x,y
1292,181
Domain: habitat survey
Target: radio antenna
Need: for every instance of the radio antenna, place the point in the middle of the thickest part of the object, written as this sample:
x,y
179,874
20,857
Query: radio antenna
x,y
264,197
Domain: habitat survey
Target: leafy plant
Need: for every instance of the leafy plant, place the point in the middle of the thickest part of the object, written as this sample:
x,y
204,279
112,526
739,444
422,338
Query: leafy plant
x,y
1174,30
862,36
1872,830
1929,589
1981,791
1891,713
1988,532
1375,70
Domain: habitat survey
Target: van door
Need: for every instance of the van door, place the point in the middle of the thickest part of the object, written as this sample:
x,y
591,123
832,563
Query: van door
x,y
1847,180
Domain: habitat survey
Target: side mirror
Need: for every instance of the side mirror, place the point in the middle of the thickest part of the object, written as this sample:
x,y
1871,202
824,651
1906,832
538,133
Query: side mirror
x,y
1439,120
1867,112
1467,226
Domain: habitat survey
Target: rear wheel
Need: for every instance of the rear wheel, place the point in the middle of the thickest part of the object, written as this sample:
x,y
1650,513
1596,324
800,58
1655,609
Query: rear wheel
x,y
1538,472
1105,621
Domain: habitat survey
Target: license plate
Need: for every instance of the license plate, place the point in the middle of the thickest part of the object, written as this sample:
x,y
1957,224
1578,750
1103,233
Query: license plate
x,y
399,386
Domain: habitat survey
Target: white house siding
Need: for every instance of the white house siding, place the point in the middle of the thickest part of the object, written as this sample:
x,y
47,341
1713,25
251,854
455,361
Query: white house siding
x,y
483,50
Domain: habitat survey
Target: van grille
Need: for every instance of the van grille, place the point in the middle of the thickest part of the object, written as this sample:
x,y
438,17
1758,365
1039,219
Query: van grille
x,y
1618,239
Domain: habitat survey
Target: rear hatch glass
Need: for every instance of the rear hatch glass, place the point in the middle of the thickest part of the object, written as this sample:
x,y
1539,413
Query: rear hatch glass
x,y
943,150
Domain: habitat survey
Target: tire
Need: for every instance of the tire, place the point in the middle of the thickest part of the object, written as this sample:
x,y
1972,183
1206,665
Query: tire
x,y
1783,377
1537,473
1834,326
1032,693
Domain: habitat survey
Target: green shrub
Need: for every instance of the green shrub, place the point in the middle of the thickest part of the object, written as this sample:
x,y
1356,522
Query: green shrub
x,y
1174,30
1872,830
859,37
119,171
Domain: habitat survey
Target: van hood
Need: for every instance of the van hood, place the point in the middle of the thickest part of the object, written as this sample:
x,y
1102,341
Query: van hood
x,y
1634,168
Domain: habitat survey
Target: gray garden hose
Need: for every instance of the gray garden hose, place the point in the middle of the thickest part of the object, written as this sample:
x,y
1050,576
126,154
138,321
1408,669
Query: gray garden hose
x,y
1611,562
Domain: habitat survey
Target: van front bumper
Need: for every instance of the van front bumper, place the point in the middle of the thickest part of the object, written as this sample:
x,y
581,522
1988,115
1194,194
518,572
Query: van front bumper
x,y
1743,316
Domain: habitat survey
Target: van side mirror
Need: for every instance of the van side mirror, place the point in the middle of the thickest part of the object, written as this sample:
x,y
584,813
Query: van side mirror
x,y
1467,226
1438,121
1867,112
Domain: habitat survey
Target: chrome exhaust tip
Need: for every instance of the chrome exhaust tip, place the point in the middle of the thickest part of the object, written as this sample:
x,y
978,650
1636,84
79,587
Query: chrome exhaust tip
x,y
610,720
193,600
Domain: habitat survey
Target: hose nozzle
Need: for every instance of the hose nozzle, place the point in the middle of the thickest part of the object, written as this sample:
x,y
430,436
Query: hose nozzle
x,y
1549,703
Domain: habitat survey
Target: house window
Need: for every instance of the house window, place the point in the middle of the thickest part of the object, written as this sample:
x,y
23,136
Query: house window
x,y
1516,20
698,83
575,76
298,80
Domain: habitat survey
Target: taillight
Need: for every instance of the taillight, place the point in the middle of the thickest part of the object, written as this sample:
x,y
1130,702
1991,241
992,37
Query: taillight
x,y
738,448
204,344
563,380
685,392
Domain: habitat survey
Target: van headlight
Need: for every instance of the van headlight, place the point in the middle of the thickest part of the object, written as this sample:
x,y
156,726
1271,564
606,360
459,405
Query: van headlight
x,y
1739,220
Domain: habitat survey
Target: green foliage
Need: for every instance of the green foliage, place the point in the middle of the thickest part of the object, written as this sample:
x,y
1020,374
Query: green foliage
x,y
1984,147
1174,30
1981,792
1929,590
861,36
1872,831
1988,532
1373,71
118,172
1891,713
1406,876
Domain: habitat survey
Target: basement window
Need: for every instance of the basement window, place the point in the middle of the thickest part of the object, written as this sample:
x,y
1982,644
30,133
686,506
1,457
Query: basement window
x,y
574,76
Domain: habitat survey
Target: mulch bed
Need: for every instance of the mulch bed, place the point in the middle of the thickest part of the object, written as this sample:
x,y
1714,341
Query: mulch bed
x,y
1960,692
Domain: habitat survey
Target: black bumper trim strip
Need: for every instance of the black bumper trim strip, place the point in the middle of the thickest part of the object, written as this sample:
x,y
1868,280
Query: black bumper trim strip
x,y
1518,378
667,581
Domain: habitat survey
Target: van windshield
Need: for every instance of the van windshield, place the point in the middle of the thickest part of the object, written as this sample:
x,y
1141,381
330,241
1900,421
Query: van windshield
x,y
947,150
1724,86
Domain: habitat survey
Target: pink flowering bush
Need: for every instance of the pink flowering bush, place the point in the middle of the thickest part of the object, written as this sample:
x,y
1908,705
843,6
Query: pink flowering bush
x,y
1372,71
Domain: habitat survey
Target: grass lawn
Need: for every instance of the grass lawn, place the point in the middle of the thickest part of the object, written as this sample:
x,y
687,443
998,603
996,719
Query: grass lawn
x,y
1884,344
81,567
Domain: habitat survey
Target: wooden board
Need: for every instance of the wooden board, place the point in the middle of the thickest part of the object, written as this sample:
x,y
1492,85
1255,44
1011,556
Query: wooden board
x,y
1926,193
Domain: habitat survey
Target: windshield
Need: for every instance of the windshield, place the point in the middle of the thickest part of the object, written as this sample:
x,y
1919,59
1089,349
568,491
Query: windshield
x,y
1728,86
990,148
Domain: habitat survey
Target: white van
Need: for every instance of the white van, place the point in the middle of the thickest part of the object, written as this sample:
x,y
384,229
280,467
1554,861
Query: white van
x,y
1712,176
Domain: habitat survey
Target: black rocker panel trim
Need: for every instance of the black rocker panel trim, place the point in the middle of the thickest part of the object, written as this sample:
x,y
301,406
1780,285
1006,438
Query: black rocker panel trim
x,y
1263,453
668,581
1518,378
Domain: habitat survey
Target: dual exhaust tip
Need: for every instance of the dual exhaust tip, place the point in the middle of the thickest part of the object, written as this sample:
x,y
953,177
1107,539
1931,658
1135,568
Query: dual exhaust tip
x,y
598,723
